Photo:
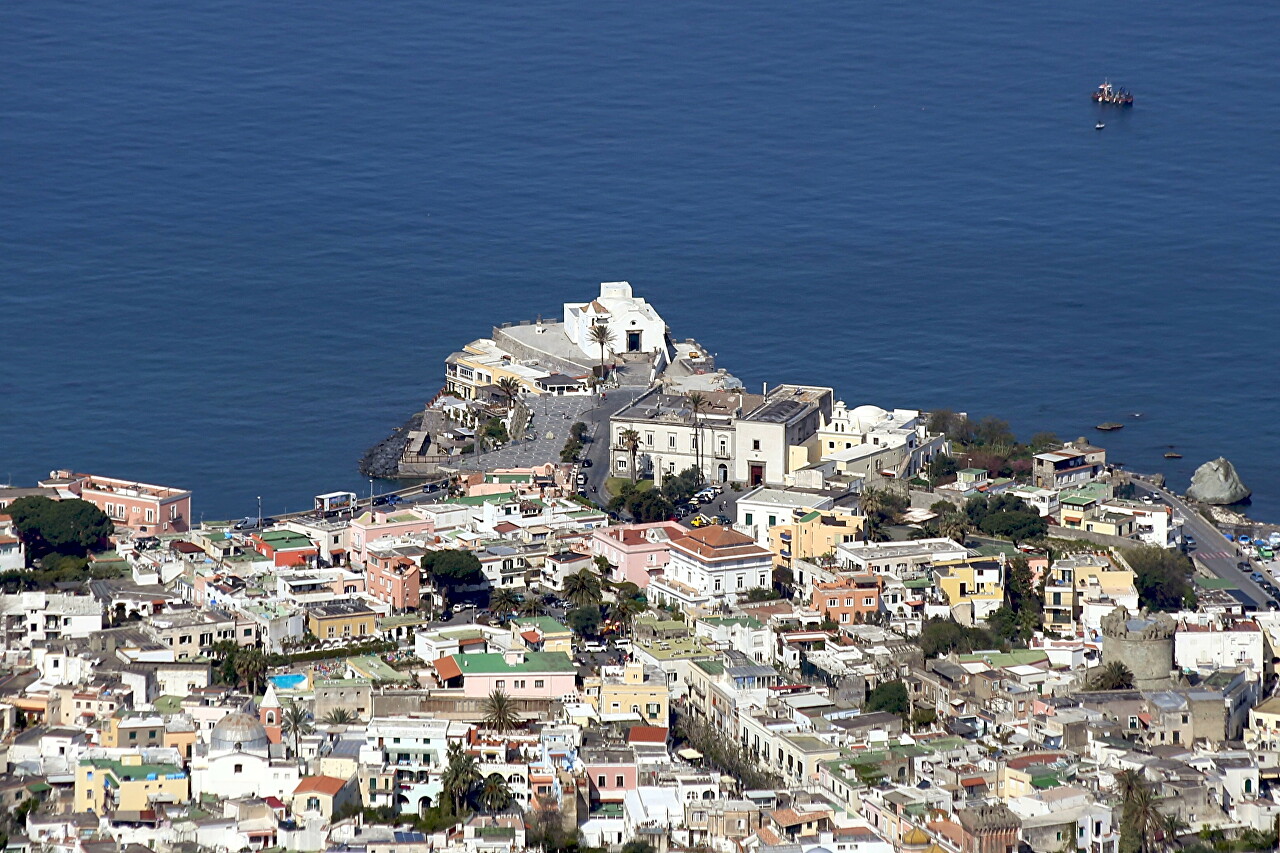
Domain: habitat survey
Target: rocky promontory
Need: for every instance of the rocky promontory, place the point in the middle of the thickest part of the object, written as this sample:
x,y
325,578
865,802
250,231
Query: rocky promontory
x,y
383,459
1217,483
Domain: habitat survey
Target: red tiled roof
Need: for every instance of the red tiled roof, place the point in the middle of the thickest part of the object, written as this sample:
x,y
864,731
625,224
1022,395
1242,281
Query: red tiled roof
x,y
448,668
471,641
329,785
647,734
531,637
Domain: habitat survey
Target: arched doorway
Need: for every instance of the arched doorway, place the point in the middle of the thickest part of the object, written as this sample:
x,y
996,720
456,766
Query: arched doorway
x,y
722,473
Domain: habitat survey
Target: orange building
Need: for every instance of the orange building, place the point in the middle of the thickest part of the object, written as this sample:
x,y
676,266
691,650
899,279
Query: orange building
x,y
848,599
285,547
146,509
393,574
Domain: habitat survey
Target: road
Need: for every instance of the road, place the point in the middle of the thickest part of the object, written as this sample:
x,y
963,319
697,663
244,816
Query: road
x,y
1213,552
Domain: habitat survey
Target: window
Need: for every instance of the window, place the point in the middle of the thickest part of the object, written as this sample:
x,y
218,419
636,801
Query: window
x,y
539,682
748,517
868,602
151,515
502,682
133,735
833,602
755,444
622,465
671,441
600,781
652,710
239,768
773,519
620,781
648,439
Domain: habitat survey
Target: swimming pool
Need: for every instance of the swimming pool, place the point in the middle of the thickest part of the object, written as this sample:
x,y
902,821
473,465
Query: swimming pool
x,y
288,681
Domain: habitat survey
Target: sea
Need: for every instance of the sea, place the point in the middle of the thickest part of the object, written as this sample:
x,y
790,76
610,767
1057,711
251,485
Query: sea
x,y
238,239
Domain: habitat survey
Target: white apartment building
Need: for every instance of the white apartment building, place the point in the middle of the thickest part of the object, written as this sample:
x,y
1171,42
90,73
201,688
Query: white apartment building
x,y
669,435
711,567
402,759
38,617
898,558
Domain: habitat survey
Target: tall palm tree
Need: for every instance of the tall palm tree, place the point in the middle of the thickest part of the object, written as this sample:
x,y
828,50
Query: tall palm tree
x,y
510,388
1172,826
250,666
494,794
872,501
339,717
625,609
631,441
533,605
502,601
295,721
602,336
461,775
500,712
582,588
955,526
1113,676
697,404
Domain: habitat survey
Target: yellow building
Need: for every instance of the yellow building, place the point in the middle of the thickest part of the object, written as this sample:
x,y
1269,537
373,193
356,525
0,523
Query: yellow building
x,y
543,634
637,689
342,620
812,534
973,587
482,362
133,730
1084,577
126,784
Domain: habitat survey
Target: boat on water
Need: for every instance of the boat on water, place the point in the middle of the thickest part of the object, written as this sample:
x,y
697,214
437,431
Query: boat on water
x,y
1108,94
1109,426
1172,455
1099,126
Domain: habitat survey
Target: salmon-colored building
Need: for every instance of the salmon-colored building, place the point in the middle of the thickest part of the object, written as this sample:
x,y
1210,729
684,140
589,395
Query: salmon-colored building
x,y
141,507
848,599
393,574
638,552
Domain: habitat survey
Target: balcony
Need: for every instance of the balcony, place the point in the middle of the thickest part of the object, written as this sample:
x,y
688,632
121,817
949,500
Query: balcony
x,y
785,536
722,453
785,553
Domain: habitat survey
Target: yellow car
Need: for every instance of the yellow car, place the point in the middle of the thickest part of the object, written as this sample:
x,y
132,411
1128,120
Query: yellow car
x,y
699,521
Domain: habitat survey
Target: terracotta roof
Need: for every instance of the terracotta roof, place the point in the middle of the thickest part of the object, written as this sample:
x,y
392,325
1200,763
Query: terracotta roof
x,y
973,781
790,817
647,734
471,641
329,785
718,543
274,802
448,668
505,527
531,636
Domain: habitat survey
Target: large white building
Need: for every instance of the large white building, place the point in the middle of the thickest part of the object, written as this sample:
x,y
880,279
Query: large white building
x,y
870,441
236,762
36,617
402,758
711,567
669,434
775,438
634,325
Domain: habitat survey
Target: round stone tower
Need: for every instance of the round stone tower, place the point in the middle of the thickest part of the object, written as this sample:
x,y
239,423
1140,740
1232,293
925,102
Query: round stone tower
x,y
1143,642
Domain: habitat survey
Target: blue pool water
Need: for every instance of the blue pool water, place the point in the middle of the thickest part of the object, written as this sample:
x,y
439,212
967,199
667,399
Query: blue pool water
x,y
290,681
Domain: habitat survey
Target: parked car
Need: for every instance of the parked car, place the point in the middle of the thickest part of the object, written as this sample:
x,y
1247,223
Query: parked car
x,y
381,500
394,499
586,463
593,646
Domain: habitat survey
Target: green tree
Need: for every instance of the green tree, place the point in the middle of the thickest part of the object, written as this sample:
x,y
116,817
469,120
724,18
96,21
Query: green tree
x,y
941,468
585,620
495,796
460,776
1140,820
583,588
500,712
625,609
697,403
954,526
72,527
923,718
1113,676
637,846
339,717
249,665
602,336
761,593
295,721
1042,441
533,605
890,696
680,488
943,636
450,567
579,431
1163,577
631,443
503,601
510,388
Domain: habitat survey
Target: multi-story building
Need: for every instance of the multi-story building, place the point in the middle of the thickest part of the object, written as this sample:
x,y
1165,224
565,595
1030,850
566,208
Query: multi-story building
x,y
515,672
127,784
631,689
342,620
634,326
637,552
973,588
670,434
189,633
903,559
285,547
774,438
1074,582
813,535
27,617
712,567
134,730
144,508
393,573
849,599
1074,464
12,553
874,443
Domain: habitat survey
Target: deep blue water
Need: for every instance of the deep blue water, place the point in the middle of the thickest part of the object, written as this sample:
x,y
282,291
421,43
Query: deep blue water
x,y
237,239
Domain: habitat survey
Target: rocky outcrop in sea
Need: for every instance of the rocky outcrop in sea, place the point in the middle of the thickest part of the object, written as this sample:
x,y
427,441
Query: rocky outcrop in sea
x,y
383,459
1217,483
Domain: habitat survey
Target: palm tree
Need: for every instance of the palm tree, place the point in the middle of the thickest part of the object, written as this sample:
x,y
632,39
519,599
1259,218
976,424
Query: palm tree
x,y
1113,676
502,601
872,501
339,717
1172,826
296,722
625,609
510,388
250,666
582,588
461,775
631,441
500,712
495,795
697,405
1142,818
955,526
602,335
533,605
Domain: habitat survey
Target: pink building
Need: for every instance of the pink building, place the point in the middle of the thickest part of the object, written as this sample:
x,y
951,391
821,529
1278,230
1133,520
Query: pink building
x,y
546,480
385,523
610,773
518,673
143,508
638,552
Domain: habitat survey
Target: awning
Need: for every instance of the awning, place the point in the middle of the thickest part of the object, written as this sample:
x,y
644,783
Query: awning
x,y
448,668
689,754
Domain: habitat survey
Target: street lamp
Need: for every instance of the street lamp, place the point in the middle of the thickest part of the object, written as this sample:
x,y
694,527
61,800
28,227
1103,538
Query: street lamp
x,y
370,492
259,511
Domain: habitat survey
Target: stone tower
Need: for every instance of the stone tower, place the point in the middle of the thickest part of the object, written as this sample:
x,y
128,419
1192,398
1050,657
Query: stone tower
x,y
1144,643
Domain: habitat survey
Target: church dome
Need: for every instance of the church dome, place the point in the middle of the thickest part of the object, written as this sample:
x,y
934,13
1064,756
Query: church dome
x,y
238,732
866,416
916,837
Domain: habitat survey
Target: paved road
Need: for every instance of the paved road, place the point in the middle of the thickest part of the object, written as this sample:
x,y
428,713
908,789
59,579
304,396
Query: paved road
x,y
1213,551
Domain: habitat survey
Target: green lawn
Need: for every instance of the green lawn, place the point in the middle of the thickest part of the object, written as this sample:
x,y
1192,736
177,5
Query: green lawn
x,y
614,484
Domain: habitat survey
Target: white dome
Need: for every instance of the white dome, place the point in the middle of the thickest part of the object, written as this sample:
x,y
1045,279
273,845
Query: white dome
x,y
868,415
238,732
